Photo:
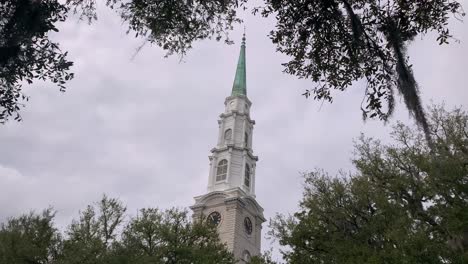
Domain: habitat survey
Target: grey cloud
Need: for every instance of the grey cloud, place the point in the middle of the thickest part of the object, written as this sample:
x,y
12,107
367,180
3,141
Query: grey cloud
x,y
141,129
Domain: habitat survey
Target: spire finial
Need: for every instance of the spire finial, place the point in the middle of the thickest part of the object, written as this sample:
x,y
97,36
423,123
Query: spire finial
x,y
243,37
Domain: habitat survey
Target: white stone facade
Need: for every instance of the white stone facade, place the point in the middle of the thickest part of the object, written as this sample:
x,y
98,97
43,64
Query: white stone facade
x,y
236,149
231,186
234,206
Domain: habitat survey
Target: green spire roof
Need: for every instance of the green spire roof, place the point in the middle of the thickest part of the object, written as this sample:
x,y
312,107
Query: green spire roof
x,y
240,83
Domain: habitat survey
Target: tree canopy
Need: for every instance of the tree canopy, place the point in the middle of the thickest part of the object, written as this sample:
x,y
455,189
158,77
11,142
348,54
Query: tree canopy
x,y
405,202
26,52
335,43
30,238
103,233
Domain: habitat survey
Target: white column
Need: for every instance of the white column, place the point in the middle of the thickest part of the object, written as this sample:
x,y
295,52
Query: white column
x,y
244,130
234,131
211,178
221,131
251,135
252,180
229,168
243,171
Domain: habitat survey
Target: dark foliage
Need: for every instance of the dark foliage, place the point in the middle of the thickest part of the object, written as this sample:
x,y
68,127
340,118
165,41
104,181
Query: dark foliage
x,y
103,235
171,25
406,202
170,236
29,239
26,52
338,42
335,43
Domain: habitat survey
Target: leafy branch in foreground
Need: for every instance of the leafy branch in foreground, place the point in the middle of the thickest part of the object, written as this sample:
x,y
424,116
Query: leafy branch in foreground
x,y
27,53
336,43
171,25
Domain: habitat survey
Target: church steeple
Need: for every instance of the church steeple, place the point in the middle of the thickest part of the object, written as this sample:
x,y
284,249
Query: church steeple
x,y
230,199
240,80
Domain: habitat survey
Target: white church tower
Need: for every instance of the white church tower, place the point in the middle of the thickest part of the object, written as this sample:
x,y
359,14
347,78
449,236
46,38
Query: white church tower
x,y
230,200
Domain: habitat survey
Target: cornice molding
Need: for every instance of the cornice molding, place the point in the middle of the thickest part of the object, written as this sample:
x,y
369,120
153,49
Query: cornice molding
x,y
232,147
229,98
236,113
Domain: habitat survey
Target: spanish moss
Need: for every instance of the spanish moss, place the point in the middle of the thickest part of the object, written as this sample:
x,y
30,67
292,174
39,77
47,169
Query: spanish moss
x,y
406,84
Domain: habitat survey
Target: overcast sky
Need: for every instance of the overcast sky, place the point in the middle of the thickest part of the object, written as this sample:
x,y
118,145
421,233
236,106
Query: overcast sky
x,y
141,129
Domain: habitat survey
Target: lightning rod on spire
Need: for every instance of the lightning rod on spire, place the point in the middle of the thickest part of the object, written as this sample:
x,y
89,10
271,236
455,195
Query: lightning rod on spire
x,y
243,37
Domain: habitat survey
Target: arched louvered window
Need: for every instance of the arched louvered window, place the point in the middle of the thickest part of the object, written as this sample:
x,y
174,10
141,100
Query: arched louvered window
x,y
221,171
247,175
228,135
246,256
246,139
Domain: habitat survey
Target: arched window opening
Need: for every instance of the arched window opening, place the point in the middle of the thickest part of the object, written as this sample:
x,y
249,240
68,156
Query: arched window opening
x,y
247,175
221,171
228,135
246,256
246,139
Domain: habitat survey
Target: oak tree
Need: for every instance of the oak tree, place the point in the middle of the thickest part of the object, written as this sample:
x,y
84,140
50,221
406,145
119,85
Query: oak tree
x,y
405,202
104,233
30,238
26,52
335,43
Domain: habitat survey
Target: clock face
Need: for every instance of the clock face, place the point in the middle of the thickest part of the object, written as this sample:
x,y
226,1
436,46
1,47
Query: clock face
x,y
248,226
214,218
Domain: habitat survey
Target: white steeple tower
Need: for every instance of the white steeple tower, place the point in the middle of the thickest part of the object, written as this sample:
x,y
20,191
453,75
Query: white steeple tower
x,y
232,163
230,201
